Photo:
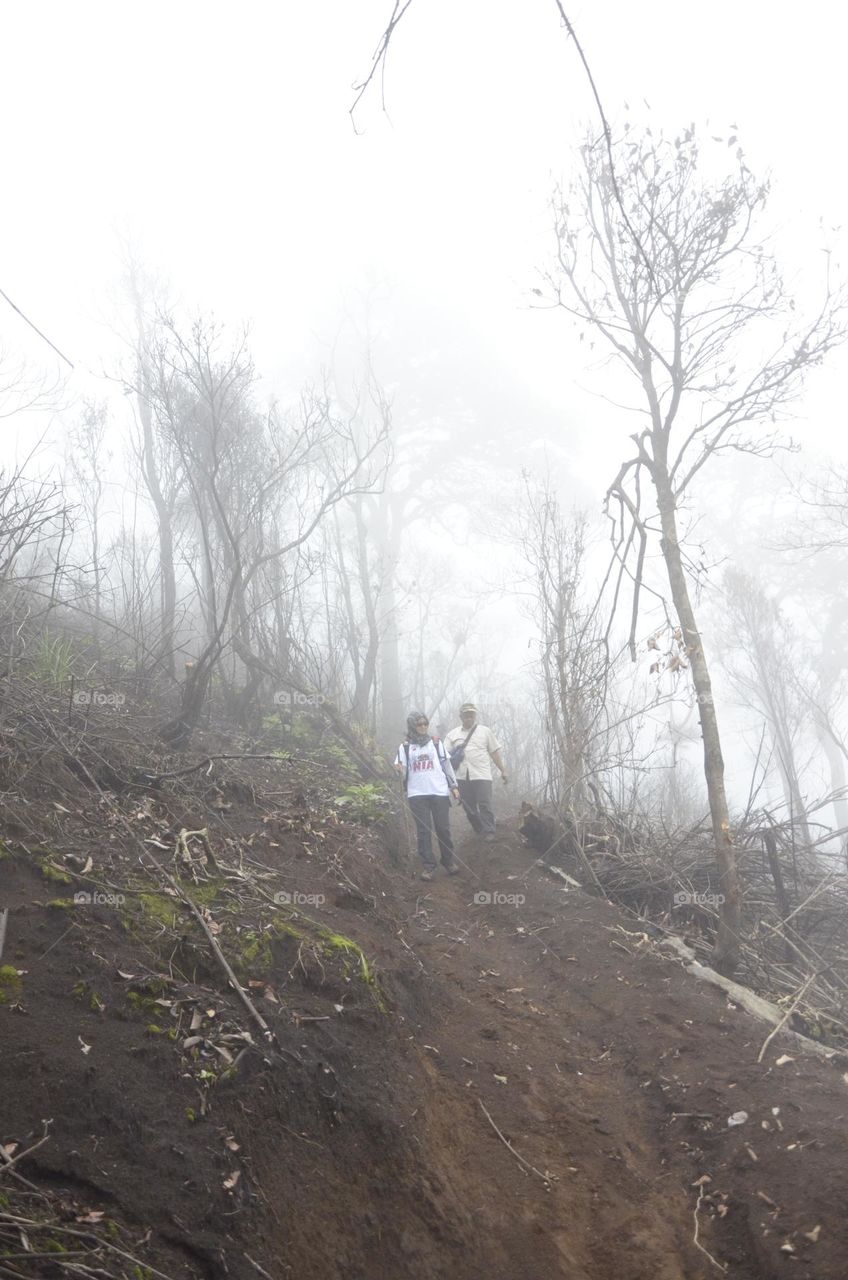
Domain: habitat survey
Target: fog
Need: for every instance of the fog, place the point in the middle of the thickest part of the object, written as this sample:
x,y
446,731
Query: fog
x,y
385,280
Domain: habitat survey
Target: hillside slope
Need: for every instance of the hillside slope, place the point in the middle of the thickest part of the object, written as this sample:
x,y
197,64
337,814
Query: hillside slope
x,y
452,1087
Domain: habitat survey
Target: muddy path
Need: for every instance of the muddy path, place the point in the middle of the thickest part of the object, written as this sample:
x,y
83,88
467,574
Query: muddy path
x,y
612,1074
528,1086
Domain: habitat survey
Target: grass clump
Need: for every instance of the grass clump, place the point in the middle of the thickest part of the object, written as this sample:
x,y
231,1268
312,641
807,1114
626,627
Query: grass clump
x,y
10,982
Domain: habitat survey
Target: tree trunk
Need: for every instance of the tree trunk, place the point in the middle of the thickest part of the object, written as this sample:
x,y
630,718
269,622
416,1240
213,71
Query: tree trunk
x,y
168,577
392,714
727,940
792,791
366,676
177,732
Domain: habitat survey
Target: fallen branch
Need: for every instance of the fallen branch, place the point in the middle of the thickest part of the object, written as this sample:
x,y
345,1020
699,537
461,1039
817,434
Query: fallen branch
x,y
9,1162
546,1178
695,1239
267,1033
261,1270
752,1003
787,1015
17,1221
154,779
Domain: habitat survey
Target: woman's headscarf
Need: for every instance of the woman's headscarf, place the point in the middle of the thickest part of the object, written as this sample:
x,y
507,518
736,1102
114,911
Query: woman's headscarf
x,y
412,734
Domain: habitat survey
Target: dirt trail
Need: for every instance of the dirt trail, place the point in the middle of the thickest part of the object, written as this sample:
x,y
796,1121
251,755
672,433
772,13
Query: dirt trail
x,y
614,1073
539,1092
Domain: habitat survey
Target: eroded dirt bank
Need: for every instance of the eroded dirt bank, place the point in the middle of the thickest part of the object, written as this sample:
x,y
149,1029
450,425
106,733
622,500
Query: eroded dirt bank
x,y
460,1088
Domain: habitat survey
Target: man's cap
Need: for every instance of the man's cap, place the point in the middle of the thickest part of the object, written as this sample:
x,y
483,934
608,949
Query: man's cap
x,y
467,706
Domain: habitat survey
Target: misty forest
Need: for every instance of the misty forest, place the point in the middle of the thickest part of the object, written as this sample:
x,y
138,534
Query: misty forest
x,y
422,462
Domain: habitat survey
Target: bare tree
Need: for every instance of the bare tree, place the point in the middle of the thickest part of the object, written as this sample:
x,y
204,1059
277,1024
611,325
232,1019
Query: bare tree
x,y
157,459
763,659
573,655
259,486
87,457
665,266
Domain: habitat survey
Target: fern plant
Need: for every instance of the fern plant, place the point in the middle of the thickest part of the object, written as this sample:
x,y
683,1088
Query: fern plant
x,y
363,802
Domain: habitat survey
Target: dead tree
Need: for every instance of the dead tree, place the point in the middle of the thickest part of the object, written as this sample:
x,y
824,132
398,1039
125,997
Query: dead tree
x,y
761,657
573,656
259,486
665,267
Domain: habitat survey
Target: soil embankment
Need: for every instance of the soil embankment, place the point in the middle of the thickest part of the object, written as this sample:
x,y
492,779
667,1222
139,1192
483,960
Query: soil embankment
x,y
485,1076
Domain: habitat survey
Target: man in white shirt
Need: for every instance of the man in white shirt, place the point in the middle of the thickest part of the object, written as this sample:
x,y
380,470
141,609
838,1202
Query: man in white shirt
x,y
479,748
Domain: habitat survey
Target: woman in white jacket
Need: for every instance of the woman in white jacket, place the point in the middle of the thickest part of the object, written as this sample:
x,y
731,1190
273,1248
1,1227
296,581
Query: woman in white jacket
x,y
428,781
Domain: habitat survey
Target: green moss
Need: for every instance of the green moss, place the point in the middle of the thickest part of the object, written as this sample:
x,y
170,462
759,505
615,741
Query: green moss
x,y
61,904
82,991
51,872
206,892
253,946
153,986
141,1003
160,907
256,950
10,982
9,977
327,941
253,951
153,1029
163,908
191,1115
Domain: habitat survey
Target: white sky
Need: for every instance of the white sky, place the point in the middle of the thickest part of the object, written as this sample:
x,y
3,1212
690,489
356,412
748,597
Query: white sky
x,y
216,137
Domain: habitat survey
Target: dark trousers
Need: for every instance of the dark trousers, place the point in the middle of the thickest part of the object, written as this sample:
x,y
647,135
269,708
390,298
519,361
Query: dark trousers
x,y
476,797
432,811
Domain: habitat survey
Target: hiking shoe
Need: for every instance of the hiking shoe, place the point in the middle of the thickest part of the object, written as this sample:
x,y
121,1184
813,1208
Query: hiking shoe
x,y
489,837
452,871
426,875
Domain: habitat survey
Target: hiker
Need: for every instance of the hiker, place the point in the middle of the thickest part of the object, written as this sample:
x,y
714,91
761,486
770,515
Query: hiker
x,y
472,747
428,783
